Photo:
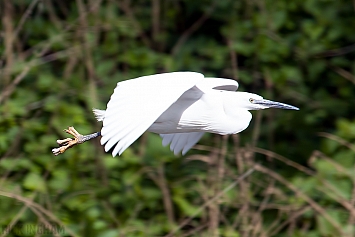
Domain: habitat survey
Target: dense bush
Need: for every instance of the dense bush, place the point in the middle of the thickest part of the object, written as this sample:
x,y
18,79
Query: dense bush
x,y
289,174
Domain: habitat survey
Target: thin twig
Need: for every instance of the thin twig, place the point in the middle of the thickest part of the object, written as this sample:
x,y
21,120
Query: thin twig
x,y
334,193
52,13
299,193
36,62
336,165
24,17
125,6
14,220
160,181
212,180
7,24
343,73
46,47
10,88
338,139
283,159
32,205
336,52
194,231
109,209
214,199
42,219
291,217
234,59
261,208
346,204
195,26
155,19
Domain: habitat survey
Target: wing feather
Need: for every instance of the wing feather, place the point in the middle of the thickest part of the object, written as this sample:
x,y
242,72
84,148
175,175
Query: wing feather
x,y
181,141
192,140
175,141
137,103
117,136
167,138
123,144
179,144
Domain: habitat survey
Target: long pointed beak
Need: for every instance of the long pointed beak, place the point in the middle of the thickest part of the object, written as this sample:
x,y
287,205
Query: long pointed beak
x,y
274,104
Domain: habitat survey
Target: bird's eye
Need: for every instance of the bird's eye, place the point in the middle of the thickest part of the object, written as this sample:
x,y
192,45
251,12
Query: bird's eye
x,y
251,100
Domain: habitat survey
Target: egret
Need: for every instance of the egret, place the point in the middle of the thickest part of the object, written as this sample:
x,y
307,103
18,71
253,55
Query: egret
x,y
180,106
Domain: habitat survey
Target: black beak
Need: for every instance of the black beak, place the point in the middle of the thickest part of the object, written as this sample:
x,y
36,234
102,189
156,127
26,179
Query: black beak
x,y
274,104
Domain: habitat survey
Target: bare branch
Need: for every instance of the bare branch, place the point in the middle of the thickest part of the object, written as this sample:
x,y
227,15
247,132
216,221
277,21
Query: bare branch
x,y
305,197
10,89
214,199
342,72
155,18
39,208
125,6
24,17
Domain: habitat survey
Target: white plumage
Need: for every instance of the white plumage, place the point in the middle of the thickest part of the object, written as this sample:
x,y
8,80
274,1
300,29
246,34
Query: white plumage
x,y
181,142
180,106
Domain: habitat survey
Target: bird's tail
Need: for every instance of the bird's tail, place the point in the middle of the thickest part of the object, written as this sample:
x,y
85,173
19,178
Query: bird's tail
x,y
99,114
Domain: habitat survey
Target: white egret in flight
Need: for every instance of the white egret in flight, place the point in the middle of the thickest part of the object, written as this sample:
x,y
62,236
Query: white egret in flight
x,y
180,106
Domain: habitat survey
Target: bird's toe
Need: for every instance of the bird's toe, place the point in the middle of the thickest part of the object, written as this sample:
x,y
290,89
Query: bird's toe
x,y
73,132
64,142
56,151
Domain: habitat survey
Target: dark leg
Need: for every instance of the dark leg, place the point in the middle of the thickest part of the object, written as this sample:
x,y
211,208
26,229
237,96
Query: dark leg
x,y
70,142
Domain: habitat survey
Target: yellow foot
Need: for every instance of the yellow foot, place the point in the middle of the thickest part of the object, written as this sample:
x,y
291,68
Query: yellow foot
x,y
67,143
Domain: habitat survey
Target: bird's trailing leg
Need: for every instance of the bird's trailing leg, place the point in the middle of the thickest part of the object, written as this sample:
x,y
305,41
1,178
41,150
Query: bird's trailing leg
x,y
67,143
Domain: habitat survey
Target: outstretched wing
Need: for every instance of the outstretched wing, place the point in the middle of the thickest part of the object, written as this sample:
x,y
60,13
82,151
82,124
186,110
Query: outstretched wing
x,y
181,141
136,104
184,141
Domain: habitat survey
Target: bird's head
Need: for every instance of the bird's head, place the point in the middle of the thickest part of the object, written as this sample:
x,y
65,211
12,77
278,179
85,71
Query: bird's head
x,y
252,101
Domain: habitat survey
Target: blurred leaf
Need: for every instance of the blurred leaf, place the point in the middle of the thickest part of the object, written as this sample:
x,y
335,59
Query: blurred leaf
x,y
34,181
185,206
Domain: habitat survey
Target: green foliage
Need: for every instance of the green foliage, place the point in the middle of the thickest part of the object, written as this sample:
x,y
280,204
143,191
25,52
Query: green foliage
x,y
298,52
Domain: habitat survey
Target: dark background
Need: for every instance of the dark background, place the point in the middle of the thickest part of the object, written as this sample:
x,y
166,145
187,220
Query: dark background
x,y
60,59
